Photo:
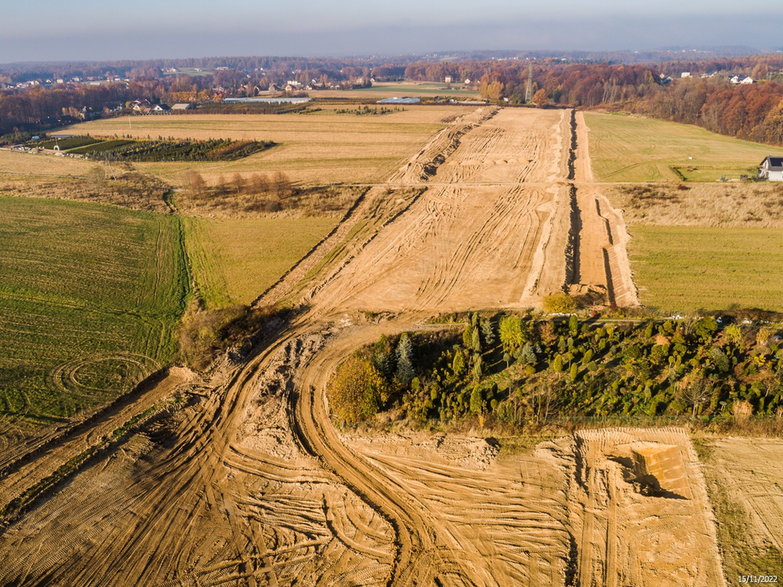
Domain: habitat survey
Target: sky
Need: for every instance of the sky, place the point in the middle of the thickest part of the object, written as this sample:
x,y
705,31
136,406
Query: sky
x,y
38,30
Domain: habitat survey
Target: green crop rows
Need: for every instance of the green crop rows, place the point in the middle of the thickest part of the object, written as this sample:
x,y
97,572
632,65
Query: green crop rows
x,y
89,298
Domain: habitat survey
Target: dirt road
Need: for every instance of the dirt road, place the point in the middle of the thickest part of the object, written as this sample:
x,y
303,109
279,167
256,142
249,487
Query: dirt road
x,y
603,263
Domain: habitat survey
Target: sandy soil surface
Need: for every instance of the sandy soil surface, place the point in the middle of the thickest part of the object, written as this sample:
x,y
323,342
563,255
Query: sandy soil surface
x,y
41,459
745,477
250,483
480,236
627,537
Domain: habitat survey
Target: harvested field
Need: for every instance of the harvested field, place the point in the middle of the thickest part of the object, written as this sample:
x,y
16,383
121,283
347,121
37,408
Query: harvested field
x,y
234,259
745,481
685,268
21,165
318,148
392,89
633,148
89,298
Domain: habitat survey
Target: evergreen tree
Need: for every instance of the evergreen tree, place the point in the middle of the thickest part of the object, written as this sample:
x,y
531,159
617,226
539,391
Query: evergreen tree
x,y
458,364
475,342
476,401
405,359
478,367
528,355
488,331
511,333
467,337
573,325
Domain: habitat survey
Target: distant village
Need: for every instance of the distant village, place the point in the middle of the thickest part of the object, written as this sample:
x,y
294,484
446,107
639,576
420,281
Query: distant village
x,y
730,77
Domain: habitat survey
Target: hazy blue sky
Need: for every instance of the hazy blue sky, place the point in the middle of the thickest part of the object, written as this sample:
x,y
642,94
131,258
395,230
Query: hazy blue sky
x,y
111,29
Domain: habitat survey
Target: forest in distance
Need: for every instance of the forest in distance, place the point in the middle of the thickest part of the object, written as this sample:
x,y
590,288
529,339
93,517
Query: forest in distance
x,y
752,111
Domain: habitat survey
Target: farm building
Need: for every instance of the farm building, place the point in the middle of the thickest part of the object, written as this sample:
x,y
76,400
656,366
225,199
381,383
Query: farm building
x,y
404,100
771,168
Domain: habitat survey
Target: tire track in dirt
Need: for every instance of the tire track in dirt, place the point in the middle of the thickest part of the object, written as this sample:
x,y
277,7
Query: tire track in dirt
x,y
250,483
627,536
460,247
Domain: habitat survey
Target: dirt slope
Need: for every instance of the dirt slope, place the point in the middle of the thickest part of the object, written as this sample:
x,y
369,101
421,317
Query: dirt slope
x,y
603,263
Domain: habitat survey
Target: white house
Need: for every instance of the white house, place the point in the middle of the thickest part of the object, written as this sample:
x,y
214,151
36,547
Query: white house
x,y
771,168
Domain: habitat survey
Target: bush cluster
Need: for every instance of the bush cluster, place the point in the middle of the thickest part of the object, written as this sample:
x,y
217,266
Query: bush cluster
x,y
524,371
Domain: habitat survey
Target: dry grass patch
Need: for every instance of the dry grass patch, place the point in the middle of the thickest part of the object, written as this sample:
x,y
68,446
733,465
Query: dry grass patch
x,y
66,178
709,204
318,148
392,89
743,480
29,165
236,259
127,189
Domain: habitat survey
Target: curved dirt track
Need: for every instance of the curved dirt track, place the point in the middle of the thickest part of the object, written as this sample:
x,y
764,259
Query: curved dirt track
x,y
250,483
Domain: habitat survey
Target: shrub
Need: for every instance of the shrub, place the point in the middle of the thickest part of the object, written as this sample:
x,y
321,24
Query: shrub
x,y
355,391
559,303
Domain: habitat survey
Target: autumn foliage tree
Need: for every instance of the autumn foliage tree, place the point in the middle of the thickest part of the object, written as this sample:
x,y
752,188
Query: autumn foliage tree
x,y
356,391
540,98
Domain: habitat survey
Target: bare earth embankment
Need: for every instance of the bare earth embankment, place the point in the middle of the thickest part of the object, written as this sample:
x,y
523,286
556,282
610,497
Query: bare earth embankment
x,y
250,483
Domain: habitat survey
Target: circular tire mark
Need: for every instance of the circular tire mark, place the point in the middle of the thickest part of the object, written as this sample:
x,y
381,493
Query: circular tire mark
x,y
73,376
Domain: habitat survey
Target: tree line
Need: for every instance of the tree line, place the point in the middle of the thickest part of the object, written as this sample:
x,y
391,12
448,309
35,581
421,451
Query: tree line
x,y
257,192
753,111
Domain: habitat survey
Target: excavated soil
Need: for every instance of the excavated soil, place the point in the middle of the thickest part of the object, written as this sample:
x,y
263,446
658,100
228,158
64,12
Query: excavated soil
x,y
489,232
247,481
745,476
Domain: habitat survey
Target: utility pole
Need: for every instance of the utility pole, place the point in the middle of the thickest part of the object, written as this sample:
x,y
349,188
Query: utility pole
x,y
529,89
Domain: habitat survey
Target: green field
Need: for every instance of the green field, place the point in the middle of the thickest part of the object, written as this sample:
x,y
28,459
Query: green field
x,y
685,268
236,259
632,148
89,298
